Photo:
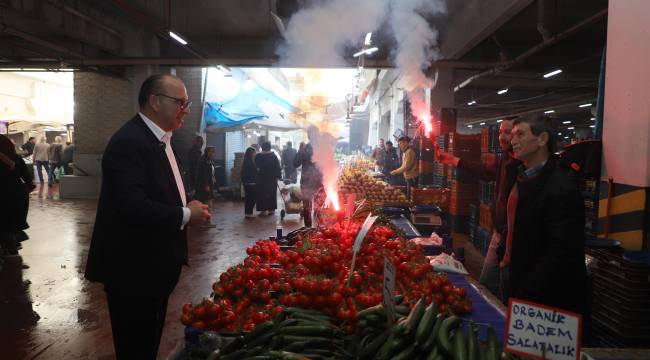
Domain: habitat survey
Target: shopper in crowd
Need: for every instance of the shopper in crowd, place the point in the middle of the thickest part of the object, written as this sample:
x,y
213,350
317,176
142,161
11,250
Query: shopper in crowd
x,y
409,167
15,186
496,171
390,162
55,156
28,147
41,159
68,157
193,156
249,180
268,174
311,178
377,152
205,176
544,258
288,154
139,243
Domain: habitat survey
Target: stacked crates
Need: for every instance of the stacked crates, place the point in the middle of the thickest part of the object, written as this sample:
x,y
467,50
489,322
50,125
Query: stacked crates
x,y
464,187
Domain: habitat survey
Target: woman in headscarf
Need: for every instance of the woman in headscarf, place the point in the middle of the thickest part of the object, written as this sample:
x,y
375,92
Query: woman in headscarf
x,y
268,174
249,180
15,185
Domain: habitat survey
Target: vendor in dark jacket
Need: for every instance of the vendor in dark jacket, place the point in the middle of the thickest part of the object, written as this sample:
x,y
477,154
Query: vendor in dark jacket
x,y
204,181
545,216
495,171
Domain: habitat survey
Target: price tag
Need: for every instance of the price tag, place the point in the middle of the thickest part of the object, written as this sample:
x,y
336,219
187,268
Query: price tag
x,y
370,220
389,290
542,332
358,240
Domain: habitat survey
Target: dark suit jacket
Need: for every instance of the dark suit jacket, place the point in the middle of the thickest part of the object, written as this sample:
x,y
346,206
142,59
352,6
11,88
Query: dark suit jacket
x,y
137,243
548,257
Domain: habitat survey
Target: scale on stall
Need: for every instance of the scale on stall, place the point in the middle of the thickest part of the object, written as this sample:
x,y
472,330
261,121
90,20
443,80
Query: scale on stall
x,y
426,215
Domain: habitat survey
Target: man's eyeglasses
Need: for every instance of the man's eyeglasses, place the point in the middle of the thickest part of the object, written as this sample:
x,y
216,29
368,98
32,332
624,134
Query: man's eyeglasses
x,y
184,104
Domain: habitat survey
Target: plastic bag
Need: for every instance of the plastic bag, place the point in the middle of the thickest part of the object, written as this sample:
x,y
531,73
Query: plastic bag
x,y
447,263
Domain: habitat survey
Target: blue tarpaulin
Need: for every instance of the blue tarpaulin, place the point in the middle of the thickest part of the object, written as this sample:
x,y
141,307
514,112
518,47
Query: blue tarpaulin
x,y
254,105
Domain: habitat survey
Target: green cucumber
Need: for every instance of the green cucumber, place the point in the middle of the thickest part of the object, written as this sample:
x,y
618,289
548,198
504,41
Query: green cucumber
x,y
447,326
236,344
402,310
406,354
460,345
426,324
473,350
260,340
433,334
371,349
493,350
259,330
413,320
304,330
433,354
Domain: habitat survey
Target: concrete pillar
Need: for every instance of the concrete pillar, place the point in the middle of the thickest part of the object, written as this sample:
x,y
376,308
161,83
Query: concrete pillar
x,y
626,124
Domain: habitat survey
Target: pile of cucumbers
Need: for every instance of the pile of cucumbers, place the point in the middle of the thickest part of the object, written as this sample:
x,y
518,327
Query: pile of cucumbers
x,y
421,333
294,334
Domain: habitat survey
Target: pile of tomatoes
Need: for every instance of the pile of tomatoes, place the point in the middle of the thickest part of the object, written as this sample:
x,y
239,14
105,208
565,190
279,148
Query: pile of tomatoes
x,y
318,275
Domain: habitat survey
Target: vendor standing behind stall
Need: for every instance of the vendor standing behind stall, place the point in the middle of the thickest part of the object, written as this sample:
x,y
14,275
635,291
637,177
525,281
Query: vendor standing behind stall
x,y
496,171
409,165
546,223
268,174
390,162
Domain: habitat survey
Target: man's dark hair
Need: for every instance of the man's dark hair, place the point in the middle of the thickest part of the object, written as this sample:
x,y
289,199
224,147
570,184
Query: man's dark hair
x,y
266,146
31,138
540,124
289,144
389,143
151,86
404,138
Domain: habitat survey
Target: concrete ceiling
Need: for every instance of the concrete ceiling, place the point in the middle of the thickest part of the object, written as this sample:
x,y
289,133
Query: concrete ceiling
x,y
502,43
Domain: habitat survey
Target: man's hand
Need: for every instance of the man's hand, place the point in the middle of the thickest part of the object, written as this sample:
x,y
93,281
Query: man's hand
x,y
199,212
394,172
448,159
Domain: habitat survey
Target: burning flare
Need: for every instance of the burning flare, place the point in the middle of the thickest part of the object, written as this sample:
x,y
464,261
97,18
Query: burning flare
x,y
333,196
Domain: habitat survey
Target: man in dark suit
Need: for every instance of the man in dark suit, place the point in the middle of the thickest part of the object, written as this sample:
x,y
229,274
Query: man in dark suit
x,y
139,241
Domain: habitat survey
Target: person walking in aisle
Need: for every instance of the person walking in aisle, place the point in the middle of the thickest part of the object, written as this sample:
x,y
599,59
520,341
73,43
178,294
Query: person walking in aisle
x,y
139,242
390,162
249,179
193,156
288,154
311,179
28,147
268,174
55,156
15,186
205,176
41,158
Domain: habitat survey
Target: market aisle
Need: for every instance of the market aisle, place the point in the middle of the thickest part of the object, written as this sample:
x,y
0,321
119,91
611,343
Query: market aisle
x,y
49,311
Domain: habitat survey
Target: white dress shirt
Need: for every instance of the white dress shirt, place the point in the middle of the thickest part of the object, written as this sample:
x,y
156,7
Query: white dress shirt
x,y
166,138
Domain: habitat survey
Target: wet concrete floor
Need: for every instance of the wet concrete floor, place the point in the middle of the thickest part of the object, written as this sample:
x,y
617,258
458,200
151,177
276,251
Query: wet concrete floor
x,y
49,311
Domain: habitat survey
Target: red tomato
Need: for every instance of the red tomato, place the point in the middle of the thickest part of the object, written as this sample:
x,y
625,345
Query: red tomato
x,y
187,307
200,325
264,284
214,311
186,319
199,312
447,289
229,317
461,292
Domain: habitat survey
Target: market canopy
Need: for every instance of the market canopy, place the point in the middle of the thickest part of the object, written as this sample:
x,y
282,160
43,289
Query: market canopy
x,y
252,107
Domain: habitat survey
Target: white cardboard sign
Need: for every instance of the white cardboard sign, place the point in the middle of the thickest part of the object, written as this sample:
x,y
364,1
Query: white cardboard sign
x,y
542,332
389,290
370,220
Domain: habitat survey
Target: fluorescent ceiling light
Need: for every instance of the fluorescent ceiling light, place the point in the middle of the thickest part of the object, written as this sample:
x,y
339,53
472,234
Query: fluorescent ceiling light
x,y
471,102
592,126
593,119
498,121
560,134
366,51
469,126
502,91
549,111
552,73
177,38
566,137
570,128
482,124
366,41
566,122
584,105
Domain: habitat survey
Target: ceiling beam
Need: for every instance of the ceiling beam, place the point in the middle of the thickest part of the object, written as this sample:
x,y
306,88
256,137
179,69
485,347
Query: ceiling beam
x,y
475,22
